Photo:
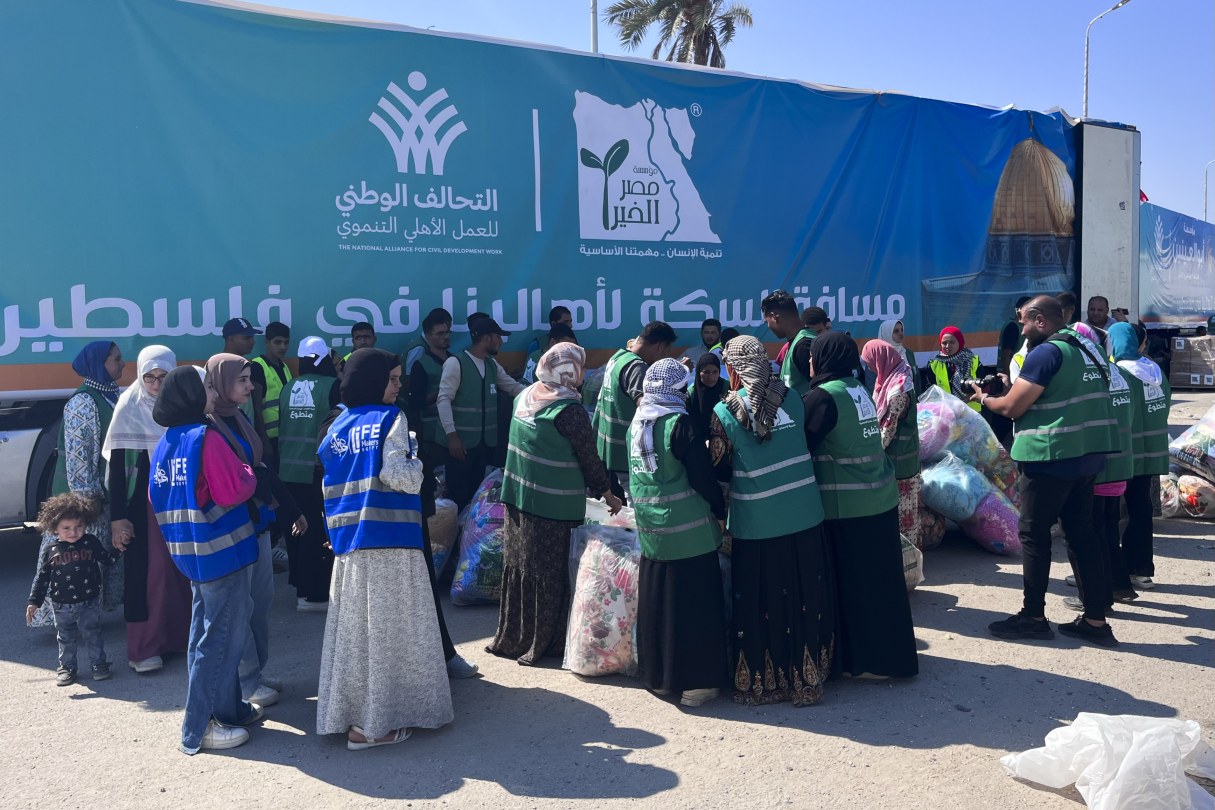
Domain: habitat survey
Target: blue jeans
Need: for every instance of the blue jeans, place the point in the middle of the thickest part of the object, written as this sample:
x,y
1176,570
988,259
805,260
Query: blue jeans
x,y
219,629
257,647
75,621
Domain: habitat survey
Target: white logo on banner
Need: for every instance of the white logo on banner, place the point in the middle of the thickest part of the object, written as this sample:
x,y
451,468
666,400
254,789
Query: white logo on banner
x,y
416,136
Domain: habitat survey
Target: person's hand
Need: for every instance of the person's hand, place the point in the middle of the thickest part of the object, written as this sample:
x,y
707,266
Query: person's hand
x,y
977,395
613,503
687,363
721,524
30,610
455,447
1004,379
122,532
299,527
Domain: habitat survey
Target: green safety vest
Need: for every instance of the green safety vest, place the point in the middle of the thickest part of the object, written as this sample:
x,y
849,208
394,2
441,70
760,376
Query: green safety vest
x,y
904,450
419,342
673,521
105,412
941,373
773,491
474,408
614,414
304,405
1073,417
542,475
1120,466
529,371
274,388
1150,438
790,374
854,473
431,430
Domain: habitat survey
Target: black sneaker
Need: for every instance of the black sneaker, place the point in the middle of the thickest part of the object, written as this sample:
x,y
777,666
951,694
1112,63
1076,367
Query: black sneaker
x,y
101,672
65,677
1020,626
1081,629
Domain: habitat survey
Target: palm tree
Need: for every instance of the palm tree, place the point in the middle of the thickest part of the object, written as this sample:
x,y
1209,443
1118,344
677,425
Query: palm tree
x,y
693,31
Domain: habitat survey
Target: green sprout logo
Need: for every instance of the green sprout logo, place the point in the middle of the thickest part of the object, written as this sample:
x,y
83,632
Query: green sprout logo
x,y
610,163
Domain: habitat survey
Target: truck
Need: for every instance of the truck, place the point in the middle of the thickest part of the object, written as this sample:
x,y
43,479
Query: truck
x,y
169,164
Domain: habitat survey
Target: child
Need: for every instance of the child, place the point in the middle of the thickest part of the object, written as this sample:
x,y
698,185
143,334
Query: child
x,y
69,571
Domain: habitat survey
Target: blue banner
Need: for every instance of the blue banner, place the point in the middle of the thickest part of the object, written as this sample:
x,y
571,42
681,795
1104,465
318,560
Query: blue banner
x,y
168,165
1176,267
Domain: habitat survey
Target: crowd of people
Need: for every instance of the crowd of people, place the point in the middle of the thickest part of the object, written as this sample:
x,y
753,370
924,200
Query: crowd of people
x,y
806,468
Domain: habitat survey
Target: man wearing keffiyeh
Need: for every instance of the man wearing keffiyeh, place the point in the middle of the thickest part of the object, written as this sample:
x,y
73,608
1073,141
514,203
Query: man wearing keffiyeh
x,y
664,392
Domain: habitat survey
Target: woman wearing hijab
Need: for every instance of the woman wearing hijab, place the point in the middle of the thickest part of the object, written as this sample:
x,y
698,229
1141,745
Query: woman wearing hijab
x,y
893,332
681,613
954,364
229,375
199,490
894,395
708,389
856,478
783,625
81,466
156,596
382,668
551,461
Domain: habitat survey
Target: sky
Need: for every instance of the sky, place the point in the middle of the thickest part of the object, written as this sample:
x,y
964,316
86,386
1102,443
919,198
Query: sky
x,y
1151,62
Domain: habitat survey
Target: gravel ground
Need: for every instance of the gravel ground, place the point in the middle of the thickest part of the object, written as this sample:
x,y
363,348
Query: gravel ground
x,y
528,737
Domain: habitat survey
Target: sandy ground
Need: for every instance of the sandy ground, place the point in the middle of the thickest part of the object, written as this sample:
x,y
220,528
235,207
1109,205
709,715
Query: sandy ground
x,y
531,737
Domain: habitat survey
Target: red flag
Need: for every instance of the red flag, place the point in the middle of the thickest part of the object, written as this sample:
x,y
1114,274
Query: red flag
x,y
1142,197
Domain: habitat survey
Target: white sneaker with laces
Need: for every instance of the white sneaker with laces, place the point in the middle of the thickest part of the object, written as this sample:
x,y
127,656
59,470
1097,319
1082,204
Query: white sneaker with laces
x,y
1142,583
697,697
147,665
459,667
219,737
263,697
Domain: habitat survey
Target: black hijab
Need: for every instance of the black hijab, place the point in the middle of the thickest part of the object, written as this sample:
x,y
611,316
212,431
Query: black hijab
x,y
366,376
833,356
704,398
182,400
321,368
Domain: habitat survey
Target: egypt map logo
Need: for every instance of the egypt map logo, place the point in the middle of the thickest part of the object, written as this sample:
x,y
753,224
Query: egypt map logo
x,y
415,139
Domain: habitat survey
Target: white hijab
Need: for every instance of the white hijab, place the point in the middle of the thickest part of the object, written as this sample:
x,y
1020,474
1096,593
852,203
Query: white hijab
x,y
132,426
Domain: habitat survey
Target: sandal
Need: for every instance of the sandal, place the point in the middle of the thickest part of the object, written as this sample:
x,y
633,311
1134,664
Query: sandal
x,y
398,736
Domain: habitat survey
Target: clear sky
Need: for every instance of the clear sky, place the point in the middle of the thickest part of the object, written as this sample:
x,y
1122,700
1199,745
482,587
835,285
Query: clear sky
x,y
1151,62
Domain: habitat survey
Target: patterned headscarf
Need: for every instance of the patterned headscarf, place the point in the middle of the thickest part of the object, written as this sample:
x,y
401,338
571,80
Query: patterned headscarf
x,y
90,364
558,374
765,391
664,391
894,376
132,427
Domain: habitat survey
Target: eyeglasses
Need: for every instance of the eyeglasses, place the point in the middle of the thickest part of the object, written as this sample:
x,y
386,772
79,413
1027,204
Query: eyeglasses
x,y
150,378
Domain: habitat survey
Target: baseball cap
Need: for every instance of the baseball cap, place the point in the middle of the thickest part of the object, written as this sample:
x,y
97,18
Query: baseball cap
x,y
239,326
481,324
313,347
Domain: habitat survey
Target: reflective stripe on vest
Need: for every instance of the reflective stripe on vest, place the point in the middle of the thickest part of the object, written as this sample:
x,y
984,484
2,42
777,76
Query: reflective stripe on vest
x,y
542,475
855,475
790,374
474,407
304,404
940,372
614,413
274,388
1150,444
1120,466
431,430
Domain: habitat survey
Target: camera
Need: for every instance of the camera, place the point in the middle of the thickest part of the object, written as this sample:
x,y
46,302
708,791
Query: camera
x,y
991,384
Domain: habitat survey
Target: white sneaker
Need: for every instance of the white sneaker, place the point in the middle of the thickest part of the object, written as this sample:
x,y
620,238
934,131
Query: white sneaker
x,y
219,737
147,665
304,606
263,697
697,697
1142,583
459,667
1070,579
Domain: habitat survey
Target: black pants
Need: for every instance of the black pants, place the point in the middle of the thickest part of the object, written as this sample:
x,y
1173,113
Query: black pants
x,y
464,476
1043,501
432,454
1105,531
1138,540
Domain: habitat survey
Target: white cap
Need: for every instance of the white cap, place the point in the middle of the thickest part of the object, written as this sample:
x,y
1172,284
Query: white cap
x,y
313,347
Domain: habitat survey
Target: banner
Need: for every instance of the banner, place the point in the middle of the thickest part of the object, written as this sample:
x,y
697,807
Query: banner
x,y
1176,268
168,165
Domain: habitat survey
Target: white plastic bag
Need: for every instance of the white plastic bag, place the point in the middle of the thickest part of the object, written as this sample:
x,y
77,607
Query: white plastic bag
x,y
601,638
913,564
1123,762
597,513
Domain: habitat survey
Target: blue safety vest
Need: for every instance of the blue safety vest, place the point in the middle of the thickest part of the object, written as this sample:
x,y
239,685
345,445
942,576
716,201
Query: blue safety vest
x,y
360,510
206,541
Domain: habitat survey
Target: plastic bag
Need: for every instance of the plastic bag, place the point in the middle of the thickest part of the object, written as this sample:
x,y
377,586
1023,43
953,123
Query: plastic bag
x,y
478,578
995,525
1196,496
1194,450
946,424
1122,762
913,564
601,638
597,513
932,529
935,424
443,526
1170,498
954,489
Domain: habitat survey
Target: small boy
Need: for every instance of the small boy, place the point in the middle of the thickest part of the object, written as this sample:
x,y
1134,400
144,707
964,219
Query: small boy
x,y
69,571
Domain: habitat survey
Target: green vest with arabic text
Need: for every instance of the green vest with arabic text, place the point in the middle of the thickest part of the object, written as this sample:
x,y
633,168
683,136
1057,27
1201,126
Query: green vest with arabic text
x,y
304,404
542,475
854,473
773,491
790,374
1150,442
474,408
614,414
904,449
1120,466
673,521
274,389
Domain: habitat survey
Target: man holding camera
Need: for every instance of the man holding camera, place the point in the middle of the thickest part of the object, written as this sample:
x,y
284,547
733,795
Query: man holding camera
x,y
1065,426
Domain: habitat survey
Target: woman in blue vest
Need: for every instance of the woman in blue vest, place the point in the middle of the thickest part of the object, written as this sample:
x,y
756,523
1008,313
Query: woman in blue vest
x,y
551,462
783,616
856,479
382,668
198,490
681,612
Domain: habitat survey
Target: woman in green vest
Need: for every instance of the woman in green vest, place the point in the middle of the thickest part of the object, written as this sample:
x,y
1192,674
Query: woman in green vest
x,y
783,613
860,498
681,612
80,466
952,365
894,396
551,462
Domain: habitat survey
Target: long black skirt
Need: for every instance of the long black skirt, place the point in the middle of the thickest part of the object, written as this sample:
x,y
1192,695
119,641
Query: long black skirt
x,y
681,624
784,618
876,635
